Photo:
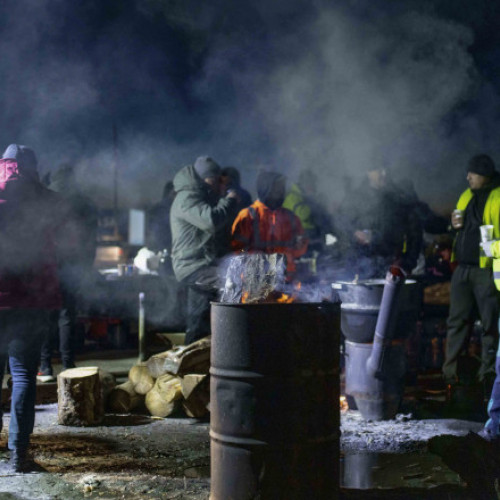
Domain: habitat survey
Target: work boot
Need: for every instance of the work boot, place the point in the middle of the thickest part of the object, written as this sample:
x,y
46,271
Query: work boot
x,y
489,435
18,462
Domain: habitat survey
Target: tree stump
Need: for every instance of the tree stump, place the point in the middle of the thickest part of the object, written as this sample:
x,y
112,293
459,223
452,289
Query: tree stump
x,y
79,397
123,398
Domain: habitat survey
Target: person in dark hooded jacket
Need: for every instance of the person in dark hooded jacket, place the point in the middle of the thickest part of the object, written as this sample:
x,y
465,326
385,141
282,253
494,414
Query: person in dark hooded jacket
x,y
76,245
265,226
197,216
230,181
29,286
380,227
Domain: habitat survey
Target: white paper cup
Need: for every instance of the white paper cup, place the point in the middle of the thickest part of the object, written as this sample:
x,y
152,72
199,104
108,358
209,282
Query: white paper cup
x,y
457,218
486,232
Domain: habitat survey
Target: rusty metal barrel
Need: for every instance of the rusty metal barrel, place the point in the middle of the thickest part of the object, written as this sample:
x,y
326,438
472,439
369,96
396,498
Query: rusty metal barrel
x,y
274,401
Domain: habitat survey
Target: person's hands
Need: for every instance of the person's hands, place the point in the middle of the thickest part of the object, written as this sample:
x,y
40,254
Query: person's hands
x,y
363,237
233,194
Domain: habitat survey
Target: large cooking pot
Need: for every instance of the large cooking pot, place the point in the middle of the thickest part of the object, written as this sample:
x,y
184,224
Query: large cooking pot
x,y
361,305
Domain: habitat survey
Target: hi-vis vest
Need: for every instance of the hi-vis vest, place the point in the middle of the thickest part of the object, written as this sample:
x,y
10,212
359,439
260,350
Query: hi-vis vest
x,y
491,215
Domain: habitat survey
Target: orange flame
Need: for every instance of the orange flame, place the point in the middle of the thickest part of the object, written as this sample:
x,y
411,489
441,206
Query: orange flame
x,y
343,404
275,296
285,299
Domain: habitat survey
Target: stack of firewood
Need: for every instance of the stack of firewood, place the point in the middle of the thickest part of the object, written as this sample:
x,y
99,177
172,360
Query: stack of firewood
x,y
174,379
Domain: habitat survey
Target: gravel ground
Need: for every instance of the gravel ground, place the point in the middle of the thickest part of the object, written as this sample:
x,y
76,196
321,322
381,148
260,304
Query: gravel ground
x,y
140,457
401,435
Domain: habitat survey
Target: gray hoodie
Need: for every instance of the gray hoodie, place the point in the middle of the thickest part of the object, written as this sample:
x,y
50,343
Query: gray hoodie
x,y
196,218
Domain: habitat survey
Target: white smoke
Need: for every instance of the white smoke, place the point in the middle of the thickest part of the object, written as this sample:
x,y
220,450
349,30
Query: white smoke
x,y
285,85
349,93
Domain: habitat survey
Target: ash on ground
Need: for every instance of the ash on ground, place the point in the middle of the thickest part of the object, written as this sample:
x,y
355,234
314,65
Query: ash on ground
x,y
402,434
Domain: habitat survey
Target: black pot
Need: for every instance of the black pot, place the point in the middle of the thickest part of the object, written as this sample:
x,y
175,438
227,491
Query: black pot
x,y
361,305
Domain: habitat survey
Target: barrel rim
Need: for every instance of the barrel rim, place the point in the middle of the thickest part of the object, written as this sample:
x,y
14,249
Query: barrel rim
x,y
276,304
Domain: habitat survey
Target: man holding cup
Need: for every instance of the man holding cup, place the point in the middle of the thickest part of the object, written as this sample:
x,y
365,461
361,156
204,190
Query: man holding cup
x,y
472,281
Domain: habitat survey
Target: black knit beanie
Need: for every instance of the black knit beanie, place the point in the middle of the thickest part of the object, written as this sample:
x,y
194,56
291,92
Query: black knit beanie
x,y
481,165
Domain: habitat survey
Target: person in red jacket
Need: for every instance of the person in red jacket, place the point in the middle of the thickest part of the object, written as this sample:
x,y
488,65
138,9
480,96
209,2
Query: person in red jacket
x,y
29,287
265,226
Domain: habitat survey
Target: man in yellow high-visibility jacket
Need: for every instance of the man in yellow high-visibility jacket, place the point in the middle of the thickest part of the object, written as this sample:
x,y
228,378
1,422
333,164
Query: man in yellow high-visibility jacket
x,y
472,281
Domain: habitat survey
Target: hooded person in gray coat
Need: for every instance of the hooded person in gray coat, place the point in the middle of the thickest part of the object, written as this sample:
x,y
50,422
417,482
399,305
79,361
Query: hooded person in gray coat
x,y
196,217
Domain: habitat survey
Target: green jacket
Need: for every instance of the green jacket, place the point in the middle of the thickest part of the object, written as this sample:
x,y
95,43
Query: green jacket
x,y
295,202
195,217
491,215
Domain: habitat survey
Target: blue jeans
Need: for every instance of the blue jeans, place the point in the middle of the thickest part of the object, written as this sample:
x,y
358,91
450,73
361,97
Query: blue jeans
x,y
493,423
21,334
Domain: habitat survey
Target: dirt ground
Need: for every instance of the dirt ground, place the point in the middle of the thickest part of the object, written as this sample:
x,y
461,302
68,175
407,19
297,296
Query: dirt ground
x,y
140,457
129,457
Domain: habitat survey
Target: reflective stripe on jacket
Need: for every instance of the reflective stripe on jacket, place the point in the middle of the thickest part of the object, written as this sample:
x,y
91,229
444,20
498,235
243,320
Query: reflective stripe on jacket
x,y
258,228
495,251
491,215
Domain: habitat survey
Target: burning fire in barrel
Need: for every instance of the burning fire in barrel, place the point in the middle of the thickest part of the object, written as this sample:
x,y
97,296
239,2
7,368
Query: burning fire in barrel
x,y
274,397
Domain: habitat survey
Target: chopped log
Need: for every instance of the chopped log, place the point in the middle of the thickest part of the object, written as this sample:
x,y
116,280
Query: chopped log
x,y
196,392
164,398
79,397
123,398
437,294
141,379
108,383
181,360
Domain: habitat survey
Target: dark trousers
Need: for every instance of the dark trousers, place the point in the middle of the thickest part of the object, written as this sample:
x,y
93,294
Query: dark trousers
x,y
61,327
202,289
22,331
471,285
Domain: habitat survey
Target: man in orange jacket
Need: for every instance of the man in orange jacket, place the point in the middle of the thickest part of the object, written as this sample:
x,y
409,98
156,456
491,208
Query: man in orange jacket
x,y
265,226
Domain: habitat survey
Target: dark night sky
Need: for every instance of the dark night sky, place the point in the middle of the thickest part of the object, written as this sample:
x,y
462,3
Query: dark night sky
x,y
412,85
